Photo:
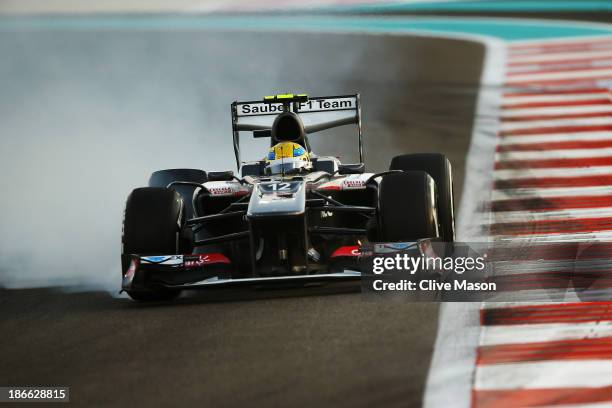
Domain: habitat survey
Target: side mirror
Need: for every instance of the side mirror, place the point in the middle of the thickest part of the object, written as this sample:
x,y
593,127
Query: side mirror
x,y
220,175
262,133
353,168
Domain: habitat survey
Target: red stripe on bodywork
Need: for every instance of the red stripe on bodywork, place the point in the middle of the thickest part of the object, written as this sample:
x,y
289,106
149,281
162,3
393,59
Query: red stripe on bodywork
x,y
330,187
539,397
549,313
580,349
554,163
536,182
552,226
346,251
206,259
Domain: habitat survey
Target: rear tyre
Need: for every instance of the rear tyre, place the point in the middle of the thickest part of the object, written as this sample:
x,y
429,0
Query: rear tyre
x,y
152,225
407,207
162,178
439,168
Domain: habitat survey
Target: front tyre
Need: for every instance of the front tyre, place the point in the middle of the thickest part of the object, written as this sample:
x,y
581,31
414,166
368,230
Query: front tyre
x,y
439,168
407,207
162,178
153,224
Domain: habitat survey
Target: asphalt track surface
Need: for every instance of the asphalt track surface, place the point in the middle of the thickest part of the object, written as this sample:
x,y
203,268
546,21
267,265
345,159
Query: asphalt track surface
x,y
292,348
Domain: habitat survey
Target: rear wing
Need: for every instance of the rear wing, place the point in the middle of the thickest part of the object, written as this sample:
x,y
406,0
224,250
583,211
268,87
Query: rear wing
x,y
317,114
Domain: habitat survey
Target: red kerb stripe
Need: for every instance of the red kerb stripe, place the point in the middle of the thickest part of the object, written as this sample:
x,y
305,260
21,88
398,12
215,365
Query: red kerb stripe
x,y
551,251
540,47
527,118
554,163
580,349
569,60
555,129
593,90
552,226
590,81
585,102
590,280
548,313
563,69
552,203
539,397
538,182
572,144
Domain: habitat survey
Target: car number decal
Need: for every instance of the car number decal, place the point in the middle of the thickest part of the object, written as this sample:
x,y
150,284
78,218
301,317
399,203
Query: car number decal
x,y
281,187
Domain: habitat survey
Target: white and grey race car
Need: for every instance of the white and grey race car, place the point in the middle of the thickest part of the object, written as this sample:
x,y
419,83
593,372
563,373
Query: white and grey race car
x,y
278,221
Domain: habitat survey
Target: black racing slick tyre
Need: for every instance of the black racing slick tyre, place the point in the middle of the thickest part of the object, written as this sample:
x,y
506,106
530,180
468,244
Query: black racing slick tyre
x,y
439,168
407,207
162,178
153,224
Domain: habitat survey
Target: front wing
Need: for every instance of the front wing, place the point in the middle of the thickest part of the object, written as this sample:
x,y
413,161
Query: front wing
x,y
199,271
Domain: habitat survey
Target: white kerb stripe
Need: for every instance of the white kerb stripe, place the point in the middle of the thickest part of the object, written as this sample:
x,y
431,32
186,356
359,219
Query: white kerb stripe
x,y
544,374
554,154
509,174
555,237
559,56
548,97
564,110
555,137
557,215
605,404
535,333
552,76
558,41
536,67
555,123
551,192
536,44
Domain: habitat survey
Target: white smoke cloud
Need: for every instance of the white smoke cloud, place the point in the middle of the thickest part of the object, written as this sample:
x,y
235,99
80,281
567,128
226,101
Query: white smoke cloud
x,y
87,116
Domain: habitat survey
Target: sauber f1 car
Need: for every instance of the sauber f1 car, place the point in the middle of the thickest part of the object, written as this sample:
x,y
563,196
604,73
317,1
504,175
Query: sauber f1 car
x,y
292,216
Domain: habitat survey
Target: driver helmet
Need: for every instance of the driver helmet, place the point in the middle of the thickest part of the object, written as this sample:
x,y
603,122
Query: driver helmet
x,y
287,157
